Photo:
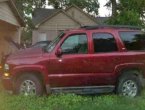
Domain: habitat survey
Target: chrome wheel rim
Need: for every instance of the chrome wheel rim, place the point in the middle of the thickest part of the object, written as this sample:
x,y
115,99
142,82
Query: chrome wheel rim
x,y
28,87
129,88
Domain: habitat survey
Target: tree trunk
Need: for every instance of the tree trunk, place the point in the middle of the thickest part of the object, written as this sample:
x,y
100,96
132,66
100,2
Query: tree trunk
x,y
114,8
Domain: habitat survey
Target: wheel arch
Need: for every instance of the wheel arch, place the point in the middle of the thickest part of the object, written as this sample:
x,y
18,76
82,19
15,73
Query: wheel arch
x,y
32,72
136,71
36,70
122,69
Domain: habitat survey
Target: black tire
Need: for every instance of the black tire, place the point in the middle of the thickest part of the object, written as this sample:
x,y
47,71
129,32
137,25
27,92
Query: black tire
x,y
33,80
129,79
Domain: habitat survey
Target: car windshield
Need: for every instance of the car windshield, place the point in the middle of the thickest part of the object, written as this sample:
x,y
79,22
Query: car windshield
x,y
52,45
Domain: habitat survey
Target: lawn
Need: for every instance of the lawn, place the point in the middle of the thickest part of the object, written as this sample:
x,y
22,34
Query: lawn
x,y
70,102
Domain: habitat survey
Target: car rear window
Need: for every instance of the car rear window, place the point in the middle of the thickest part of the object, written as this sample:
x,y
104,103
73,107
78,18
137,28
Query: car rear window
x,y
133,40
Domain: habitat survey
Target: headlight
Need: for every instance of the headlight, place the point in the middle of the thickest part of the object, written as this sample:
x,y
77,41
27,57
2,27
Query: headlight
x,y
0,66
6,67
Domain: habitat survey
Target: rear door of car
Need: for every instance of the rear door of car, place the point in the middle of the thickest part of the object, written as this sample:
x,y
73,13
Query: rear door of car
x,y
105,57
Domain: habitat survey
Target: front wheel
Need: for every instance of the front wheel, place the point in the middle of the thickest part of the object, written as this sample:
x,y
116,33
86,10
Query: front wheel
x,y
28,85
129,85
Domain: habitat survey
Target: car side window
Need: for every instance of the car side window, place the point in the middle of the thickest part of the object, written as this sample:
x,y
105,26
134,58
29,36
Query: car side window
x,y
104,42
75,44
133,41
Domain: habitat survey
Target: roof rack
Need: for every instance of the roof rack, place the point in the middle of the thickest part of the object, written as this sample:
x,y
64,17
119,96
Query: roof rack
x,y
111,26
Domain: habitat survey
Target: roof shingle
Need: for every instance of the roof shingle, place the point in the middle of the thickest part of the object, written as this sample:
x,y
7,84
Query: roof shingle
x,y
41,14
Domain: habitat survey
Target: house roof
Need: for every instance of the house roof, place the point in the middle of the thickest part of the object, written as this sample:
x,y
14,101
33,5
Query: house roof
x,y
15,11
88,15
53,14
41,15
102,20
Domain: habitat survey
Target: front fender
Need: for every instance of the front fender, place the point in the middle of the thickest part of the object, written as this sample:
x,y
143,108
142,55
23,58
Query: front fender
x,y
30,68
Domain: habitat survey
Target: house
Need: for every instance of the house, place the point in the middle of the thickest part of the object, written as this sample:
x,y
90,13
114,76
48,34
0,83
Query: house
x,y
11,24
50,22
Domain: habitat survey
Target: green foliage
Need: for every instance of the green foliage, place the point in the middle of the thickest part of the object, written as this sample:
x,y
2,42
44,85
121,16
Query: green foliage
x,y
126,18
70,102
133,5
91,6
129,12
26,8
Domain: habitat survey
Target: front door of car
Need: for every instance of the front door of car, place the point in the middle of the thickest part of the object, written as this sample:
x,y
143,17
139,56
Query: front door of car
x,y
69,67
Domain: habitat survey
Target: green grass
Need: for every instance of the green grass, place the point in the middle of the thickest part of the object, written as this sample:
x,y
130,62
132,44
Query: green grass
x,y
70,102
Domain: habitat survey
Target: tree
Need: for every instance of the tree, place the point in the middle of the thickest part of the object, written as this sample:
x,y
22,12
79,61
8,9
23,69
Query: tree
x,y
26,8
127,12
134,5
90,6
114,5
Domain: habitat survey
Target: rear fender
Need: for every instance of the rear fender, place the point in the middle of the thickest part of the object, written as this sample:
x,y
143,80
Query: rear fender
x,y
129,66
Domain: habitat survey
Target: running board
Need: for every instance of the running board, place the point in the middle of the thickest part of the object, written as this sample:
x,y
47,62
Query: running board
x,y
82,90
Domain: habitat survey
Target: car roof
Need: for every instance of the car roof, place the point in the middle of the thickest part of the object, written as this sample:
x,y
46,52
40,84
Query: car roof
x,y
111,27
106,27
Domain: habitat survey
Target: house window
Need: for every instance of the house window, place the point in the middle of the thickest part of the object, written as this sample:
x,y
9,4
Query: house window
x,y
42,37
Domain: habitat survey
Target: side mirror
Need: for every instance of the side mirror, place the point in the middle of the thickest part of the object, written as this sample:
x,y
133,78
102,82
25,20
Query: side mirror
x,y
58,52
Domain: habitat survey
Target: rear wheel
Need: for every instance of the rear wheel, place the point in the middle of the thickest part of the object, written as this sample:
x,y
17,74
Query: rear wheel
x,y
28,85
129,85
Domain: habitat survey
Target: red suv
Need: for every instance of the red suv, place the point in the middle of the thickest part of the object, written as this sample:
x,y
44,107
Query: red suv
x,y
92,59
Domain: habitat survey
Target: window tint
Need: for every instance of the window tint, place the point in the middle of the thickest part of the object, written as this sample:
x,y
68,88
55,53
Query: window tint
x,y
75,44
133,40
104,42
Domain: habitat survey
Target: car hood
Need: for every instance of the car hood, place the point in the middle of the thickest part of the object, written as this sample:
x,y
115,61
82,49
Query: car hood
x,y
27,53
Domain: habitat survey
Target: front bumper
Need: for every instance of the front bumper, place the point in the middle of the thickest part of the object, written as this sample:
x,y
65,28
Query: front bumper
x,y
7,84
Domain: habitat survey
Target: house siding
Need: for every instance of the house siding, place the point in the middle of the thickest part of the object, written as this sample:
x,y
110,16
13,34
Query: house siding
x,y
50,35
54,26
81,17
10,28
5,46
59,22
7,15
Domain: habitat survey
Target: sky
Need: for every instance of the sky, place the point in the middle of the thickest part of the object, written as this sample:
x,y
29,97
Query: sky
x,y
103,11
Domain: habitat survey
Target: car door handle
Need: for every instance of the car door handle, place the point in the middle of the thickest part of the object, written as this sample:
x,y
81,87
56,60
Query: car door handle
x,y
85,61
117,59
59,60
